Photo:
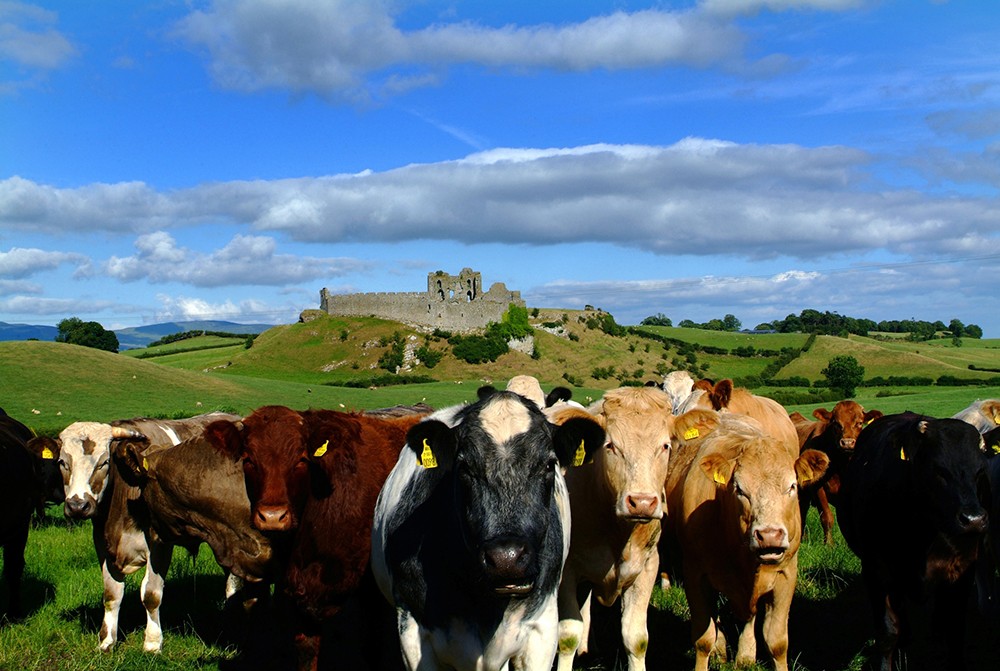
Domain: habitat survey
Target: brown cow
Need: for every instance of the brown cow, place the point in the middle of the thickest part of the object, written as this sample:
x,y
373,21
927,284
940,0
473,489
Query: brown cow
x,y
834,434
732,496
191,495
313,478
96,491
617,503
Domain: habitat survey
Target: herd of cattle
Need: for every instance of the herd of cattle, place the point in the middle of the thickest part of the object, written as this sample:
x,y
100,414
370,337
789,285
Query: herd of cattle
x,y
447,534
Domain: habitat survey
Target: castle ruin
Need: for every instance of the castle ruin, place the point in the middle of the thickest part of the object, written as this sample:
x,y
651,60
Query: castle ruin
x,y
451,303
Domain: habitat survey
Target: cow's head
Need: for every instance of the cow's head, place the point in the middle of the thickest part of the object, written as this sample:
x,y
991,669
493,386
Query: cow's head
x,y
502,461
639,434
946,461
47,453
845,421
273,443
83,452
758,482
678,386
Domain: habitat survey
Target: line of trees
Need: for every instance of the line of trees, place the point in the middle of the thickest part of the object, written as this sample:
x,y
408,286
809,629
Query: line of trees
x,y
831,323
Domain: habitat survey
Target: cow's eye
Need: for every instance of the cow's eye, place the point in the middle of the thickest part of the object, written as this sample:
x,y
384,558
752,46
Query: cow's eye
x,y
666,446
550,465
611,447
63,465
793,489
104,464
248,464
739,491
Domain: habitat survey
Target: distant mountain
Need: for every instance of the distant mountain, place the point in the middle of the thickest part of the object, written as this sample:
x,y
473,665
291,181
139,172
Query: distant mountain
x,y
137,336
140,336
27,332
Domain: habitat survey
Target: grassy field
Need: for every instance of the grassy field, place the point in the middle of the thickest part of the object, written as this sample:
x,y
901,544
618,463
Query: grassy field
x,y
49,385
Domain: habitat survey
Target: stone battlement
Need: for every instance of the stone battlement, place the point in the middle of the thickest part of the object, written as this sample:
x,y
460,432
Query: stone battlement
x,y
451,303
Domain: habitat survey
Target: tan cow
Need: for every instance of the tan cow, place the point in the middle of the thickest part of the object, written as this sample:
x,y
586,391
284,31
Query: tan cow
x,y
984,415
732,496
834,434
723,396
617,503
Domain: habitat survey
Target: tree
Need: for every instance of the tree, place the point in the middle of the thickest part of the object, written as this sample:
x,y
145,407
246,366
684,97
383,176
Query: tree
x,y
844,373
75,331
659,319
956,328
731,323
973,331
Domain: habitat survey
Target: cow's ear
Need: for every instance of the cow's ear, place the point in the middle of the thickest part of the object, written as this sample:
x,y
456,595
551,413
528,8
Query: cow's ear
x,y
822,414
694,425
872,415
577,439
721,394
226,437
131,464
45,448
485,392
558,394
717,468
810,467
433,444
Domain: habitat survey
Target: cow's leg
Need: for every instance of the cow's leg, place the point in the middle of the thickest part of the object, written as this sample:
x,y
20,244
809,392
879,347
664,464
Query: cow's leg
x,y
570,622
776,619
703,632
13,568
825,514
885,615
746,648
635,603
542,642
114,589
412,644
949,600
151,590
585,615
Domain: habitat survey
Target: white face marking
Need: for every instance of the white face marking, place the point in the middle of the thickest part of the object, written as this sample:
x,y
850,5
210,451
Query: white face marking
x,y
504,418
86,451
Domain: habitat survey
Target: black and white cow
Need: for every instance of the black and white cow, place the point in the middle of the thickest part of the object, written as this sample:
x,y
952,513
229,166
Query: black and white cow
x,y
471,532
910,509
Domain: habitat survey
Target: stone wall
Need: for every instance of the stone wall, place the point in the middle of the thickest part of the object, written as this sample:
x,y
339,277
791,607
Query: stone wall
x,y
451,302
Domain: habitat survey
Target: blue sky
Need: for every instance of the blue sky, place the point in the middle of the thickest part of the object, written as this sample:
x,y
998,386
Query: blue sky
x,y
227,160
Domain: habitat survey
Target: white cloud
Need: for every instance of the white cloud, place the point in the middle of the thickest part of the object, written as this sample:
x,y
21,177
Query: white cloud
x,y
352,48
246,260
697,197
29,44
747,7
185,308
21,262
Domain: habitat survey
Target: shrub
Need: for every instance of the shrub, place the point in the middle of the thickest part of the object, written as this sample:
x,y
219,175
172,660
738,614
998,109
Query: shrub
x,y
428,356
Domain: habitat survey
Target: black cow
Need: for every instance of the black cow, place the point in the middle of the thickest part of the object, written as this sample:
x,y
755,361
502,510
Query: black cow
x,y
987,580
472,530
20,473
910,509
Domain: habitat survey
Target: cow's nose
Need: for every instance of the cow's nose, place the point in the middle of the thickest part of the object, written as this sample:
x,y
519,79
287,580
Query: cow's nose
x,y
506,559
273,518
847,443
78,507
972,521
770,537
642,505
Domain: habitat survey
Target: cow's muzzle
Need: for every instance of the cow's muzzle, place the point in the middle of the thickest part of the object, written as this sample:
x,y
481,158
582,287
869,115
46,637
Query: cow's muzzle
x,y
273,519
80,507
640,507
507,563
769,544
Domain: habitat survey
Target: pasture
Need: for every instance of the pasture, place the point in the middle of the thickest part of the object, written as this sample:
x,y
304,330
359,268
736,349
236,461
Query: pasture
x,y
49,385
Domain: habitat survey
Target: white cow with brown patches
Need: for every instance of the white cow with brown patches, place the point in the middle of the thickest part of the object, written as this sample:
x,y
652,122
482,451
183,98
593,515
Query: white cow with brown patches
x,y
95,490
984,415
617,502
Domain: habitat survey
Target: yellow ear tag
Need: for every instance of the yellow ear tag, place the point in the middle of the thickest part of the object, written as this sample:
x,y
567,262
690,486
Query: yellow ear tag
x,y
996,419
321,450
427,459
719,477
47,453
995,447
902,455
693,432
580,456
145,464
